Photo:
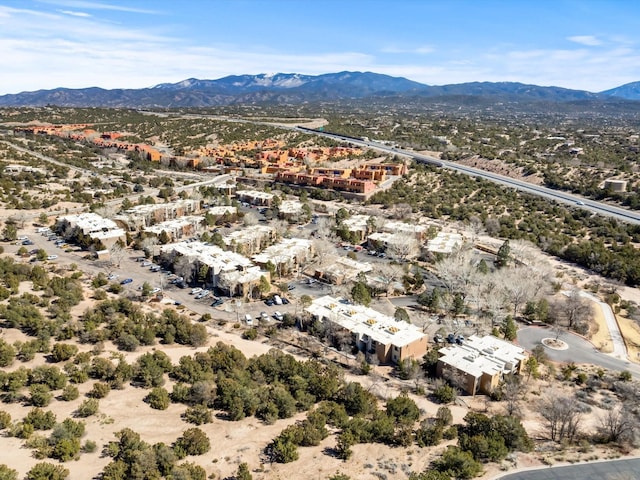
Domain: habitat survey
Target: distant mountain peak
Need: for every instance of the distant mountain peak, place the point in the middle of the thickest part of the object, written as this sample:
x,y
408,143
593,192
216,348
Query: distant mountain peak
x,y
299,88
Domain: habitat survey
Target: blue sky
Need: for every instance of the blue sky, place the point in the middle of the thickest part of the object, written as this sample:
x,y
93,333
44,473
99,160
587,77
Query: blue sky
x,y
583,44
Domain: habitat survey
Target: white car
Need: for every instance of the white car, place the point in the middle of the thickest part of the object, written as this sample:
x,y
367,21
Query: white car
x,y
156,290
112,276
278,316
202,294
196,290
52,257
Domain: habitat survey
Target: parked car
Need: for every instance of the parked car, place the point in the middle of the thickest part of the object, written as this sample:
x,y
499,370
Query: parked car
x,y
285,301
264,316
268,302
217,302
290,287
112,276
278,316
155,290
155,268
438,338
27,242
459,339
52,257
248,319
195,291
451,338
126,280
147,263
33,252
202,294
277,300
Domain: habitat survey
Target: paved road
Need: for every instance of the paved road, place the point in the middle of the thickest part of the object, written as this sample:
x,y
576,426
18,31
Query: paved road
x,y
619,348
625,469
579,351
557,195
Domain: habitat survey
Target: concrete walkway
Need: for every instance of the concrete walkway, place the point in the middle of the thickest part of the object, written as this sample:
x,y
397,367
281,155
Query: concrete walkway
x,y
619,347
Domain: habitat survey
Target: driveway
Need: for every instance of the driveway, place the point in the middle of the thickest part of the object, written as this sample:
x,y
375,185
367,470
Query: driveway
x,y
579,351
627,469
619,348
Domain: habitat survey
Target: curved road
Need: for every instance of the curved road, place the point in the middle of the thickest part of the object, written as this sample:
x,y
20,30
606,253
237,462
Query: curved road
x,y
625,469
579,351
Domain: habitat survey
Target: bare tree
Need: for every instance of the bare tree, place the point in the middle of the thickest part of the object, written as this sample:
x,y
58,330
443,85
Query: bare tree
x,y
575,308
388,274
619,424
250,219
148,245
517,286
476,228
457,270
403,247
324,229
324,249
561,414
116,253
512,391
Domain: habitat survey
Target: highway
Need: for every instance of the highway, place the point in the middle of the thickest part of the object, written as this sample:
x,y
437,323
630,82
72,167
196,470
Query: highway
x,y
551,194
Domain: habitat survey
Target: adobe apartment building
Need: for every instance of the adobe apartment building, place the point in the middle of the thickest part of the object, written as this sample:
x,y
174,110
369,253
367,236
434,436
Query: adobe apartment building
x,y
372,331
142,216
480,363
91,225
229,272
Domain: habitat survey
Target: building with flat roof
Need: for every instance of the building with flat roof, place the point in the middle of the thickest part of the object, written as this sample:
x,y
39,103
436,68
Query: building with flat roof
x,y
444,242
480,362
358,225
286,255
178,228
255,197
404,228
372,331
250,240
142,216
338,270
92,225
229,272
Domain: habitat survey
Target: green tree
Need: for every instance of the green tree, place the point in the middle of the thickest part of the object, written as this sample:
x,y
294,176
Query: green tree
x,y
192,442
503,257
401,315
40,395
7,353
243,472
7,473
509,328
264,286
43,219
47,471
457,463
158,399
10,232
361,294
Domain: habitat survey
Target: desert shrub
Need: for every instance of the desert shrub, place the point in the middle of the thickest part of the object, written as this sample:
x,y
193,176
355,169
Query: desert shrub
x,y
198,415
457,463
99,390
40,395
89,446
7,473
192,442
47,471
39,419
70,393
444,394
61,352
158,399
5,420
7,353
250,334
87,408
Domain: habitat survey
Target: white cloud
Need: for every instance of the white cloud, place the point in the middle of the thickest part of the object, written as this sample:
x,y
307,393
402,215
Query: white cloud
x,y
422,50
90,5
75,14
588,40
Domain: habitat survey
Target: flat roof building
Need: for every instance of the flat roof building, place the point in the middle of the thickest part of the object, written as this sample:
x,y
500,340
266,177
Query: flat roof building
x,y
286,255
230,272
339,270
444,242
94,226
480,362
250,240
372,331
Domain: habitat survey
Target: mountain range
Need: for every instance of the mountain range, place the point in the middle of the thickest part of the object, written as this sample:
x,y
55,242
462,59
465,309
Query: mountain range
x,y
293,88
